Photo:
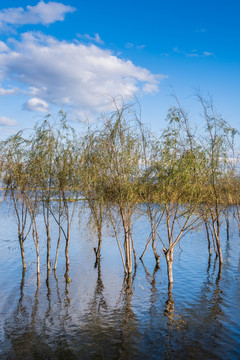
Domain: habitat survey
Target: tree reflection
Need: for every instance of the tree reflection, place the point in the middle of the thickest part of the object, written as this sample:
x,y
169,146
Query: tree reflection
x,y
21,290
48,295
174,320
203,320
98,302
21,329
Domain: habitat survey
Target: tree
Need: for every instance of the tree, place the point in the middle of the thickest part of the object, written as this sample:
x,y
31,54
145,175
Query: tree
x,y
216,148
121,151
175,181
15,181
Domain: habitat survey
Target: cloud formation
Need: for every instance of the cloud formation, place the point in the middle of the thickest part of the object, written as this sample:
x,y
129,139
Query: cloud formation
x,y
5,121
35,104
5,92
80,76
96,38
131,45
42,13
193,53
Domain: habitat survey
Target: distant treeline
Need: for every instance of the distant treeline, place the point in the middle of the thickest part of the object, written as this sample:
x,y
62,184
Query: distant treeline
x,y
183,178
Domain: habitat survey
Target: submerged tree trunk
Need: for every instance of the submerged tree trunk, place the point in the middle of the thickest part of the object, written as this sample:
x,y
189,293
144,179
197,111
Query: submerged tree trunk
x,y
146,246
208,239
227,223
38,260
46,216
58,244
217,237
128,251
22,251
48,253
134,253
169,252
118,243
98,250
67,240
36,242
96,210
48,239
157,257
169,260
47,225
66,253
127,243
219,249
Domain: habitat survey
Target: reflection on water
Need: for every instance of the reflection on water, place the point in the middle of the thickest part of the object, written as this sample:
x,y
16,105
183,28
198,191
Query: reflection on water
x,y
92,312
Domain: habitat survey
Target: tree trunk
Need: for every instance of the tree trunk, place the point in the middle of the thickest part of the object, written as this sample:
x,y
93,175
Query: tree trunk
x,y
208,239
46,215
66,253
128,251
97,252
38,259
48,249
148,242
127,243
157,257
219,249
58,243
68,237
169,259
227,224
36,243
22,252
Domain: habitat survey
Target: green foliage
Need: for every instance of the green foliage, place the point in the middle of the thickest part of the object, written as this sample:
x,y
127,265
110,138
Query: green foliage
x,y
119,164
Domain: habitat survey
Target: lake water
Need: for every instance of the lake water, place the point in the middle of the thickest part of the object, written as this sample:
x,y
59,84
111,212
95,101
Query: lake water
x,y
96,314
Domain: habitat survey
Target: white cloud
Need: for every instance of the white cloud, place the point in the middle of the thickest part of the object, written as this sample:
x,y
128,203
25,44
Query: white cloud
x,y
96,38
193,53
5,121
207,53
42,13
81,76
5,92
131,45
35,104
3,47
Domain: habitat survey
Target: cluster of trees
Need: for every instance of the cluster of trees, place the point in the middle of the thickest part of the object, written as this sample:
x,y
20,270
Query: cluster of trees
x,y
182,179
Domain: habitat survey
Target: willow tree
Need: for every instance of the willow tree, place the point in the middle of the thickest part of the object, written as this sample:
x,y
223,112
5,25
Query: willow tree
x,y
217,151
92,175
15,181
122,151
153,210
43,142
175,182
66,181
235,184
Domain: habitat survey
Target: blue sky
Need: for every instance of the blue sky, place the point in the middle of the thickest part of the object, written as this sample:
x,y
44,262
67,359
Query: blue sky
x,y
77,55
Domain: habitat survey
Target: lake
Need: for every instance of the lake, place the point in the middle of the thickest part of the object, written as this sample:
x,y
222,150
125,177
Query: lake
x,y
95,313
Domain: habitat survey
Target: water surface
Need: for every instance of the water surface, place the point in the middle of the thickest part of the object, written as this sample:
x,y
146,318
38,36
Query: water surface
x,y
94,313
